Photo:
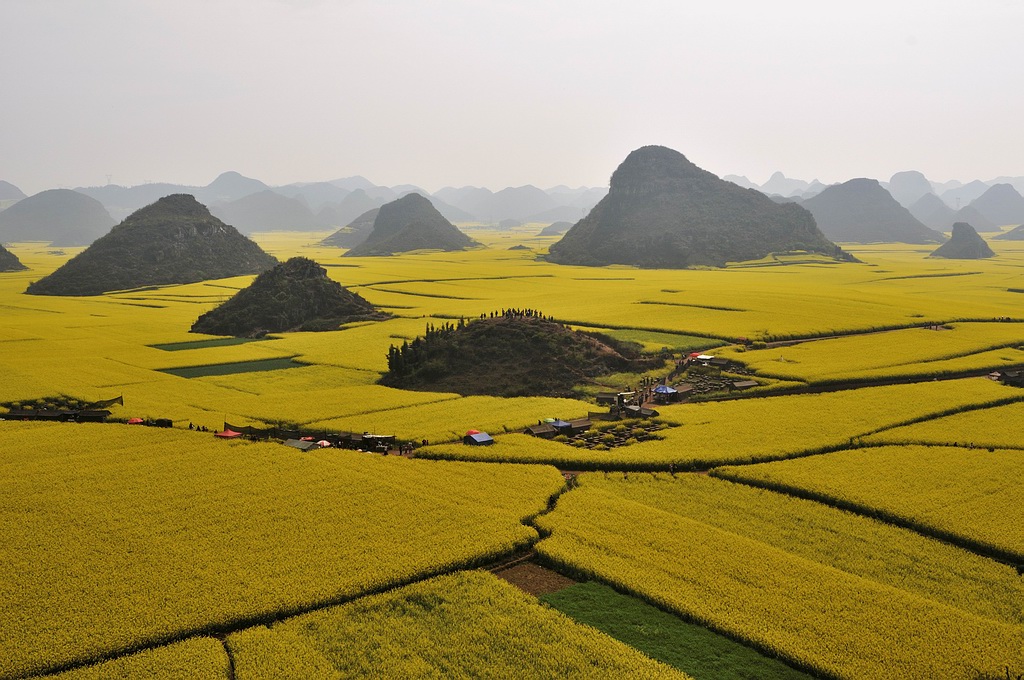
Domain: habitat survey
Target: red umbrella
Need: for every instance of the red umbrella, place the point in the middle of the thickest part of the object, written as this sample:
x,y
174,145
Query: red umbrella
x,y
135,421
469,432
323,443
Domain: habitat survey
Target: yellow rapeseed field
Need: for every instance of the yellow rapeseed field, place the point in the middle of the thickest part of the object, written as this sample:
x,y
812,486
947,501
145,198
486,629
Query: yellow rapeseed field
x,y
463,625
119,536
970,495
856,544
201,657
749,430
998,427
815,616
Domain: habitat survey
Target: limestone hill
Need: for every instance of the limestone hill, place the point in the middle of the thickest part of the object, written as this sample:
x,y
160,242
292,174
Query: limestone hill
x,y
965,244
663,211
9,192
515,353
355,233
932,212
555,228
410,223
1015,234
9,262
1001,204
172,241
296,295
268,210
861,211
62,216
908,187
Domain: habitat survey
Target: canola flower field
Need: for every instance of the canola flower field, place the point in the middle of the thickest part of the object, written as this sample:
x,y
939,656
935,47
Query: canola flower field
x,y
129,547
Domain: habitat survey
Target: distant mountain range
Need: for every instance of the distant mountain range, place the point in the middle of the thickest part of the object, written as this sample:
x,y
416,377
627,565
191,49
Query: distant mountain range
x,y
251,205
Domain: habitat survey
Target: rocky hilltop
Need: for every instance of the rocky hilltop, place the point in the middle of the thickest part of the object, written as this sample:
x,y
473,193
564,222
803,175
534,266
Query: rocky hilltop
x,y
411,223
965,244
354,233
61,216
172,241
664,211
296,295
861,211
9,262
498,355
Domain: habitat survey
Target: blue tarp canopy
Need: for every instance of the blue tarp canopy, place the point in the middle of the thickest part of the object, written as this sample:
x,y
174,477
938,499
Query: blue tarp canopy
x,y
478,439
559,424
665,389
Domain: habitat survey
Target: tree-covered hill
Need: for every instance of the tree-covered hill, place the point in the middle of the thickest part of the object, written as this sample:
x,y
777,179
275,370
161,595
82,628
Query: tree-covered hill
x,y
663,211
296,295
512,353
172,241
9,262
410,223
61,216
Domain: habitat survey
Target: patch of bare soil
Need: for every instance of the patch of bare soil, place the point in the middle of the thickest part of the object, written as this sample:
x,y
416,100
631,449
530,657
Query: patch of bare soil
x,y
534,579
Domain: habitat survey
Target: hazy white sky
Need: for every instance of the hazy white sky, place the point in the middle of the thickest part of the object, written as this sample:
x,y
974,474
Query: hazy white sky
x,y
503,93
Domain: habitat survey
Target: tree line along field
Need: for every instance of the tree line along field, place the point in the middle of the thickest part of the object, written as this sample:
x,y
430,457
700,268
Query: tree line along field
x,y
867,513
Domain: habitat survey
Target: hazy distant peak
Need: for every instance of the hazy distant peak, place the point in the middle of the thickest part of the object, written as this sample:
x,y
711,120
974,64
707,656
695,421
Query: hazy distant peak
x,y
908,186
9,192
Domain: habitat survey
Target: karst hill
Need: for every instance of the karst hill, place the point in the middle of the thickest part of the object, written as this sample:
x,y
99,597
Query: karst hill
x,y
508,354
61,216
9,262
965,244
861,211
354,233
296,295
663,211
172,241
411,223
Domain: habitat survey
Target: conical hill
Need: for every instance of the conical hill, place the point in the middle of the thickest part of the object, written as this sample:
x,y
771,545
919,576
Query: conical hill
x,y
861,211
411,223
9,262
663,211
357,231
965,244
175,240
296,295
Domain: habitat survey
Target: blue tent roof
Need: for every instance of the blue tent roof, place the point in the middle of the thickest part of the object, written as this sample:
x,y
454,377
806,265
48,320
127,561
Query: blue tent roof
x,y
665,389
559,424
480,438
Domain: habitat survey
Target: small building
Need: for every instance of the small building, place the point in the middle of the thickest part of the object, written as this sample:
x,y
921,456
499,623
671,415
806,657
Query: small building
x,y
607,398
741,385
478,439
578,425
639,412
684,391
718,362
542,430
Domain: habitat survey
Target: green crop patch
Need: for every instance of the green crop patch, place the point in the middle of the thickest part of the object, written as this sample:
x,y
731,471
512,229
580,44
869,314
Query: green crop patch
x,y
233,368
693,649
202,344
